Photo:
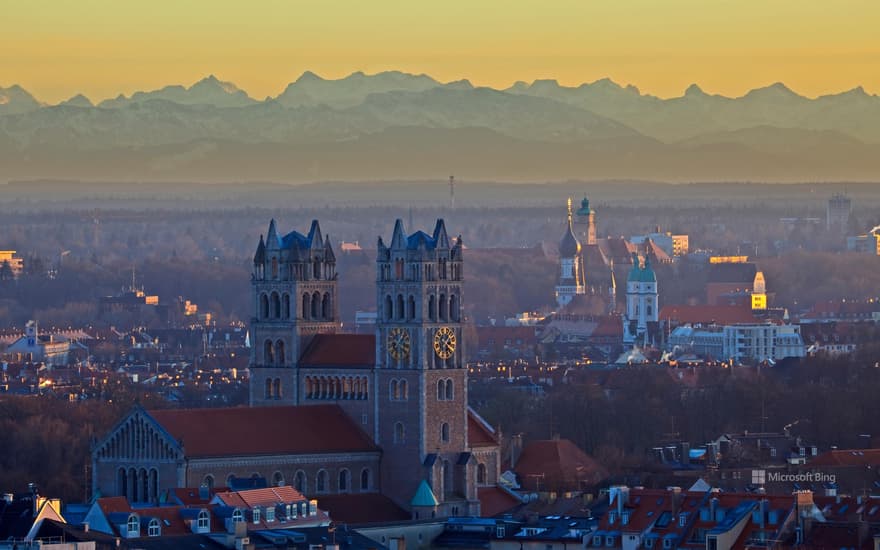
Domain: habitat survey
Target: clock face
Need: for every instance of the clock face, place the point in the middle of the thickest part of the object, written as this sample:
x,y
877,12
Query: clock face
x,y
444,342
398,343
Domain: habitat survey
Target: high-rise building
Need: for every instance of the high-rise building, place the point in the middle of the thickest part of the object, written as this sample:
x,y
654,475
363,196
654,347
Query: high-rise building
x,y
837,213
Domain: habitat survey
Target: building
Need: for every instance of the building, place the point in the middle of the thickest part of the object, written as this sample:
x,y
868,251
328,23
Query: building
x,y
837,214
672,245
759,292
762,342
16,264
585,223
331,413
571,265
866,244
52,349
642,305
730,282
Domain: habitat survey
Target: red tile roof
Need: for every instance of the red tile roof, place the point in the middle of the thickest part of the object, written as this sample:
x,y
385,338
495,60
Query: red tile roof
x,y
340,350
479,432
702,314
559,463
362,508
495,501
261,497
848,457
312,429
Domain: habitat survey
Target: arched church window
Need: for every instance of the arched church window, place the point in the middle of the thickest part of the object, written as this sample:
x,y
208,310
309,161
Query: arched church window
x,y
444,432
481,473
389,308
268,355
449,390
264,306
276,388
279,352
399,433
316,305
326,307
306,306
442,307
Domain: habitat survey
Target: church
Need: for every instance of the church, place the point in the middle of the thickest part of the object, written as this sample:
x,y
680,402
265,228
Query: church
x,y
336,415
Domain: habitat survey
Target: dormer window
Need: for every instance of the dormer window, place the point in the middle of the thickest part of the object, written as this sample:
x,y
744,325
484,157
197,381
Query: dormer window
x,y
270,513
624,518
682,519
133,527
256,513
649,542
154,529
237,516
612,517
597,540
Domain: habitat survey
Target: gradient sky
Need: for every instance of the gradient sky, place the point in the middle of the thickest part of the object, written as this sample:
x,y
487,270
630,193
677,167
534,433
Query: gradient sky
x,y
101,47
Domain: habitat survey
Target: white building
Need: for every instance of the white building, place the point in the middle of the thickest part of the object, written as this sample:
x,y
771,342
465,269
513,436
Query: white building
x,y
762,342
641,302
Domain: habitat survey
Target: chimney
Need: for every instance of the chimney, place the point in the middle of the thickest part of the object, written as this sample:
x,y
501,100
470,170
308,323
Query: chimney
x,y
685,453
675,499
85,527
713,508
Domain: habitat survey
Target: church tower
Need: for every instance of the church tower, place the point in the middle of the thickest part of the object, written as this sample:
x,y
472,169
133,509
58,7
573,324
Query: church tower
x,y
641,302
422,414
585,223
293,287
571,266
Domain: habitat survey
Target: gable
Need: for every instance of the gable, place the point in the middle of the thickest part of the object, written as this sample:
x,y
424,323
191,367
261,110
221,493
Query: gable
x,y
138,437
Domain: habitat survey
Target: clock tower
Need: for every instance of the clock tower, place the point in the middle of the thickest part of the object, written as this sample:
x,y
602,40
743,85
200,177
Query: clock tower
x,y
421,405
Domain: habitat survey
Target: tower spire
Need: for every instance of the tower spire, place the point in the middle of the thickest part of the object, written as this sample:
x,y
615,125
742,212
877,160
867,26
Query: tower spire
x,y
569,211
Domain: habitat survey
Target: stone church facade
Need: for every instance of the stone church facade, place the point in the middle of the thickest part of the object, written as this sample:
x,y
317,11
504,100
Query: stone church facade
x,y
397,398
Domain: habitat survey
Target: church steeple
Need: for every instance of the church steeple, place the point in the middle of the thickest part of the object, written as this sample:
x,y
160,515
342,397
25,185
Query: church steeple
x,y
571,265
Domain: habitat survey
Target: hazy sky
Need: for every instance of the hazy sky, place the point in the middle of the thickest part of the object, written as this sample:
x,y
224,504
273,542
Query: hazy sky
x,y
103,47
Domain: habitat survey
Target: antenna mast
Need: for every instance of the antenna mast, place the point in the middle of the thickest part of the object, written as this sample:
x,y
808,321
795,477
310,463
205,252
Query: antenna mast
x,y
452,192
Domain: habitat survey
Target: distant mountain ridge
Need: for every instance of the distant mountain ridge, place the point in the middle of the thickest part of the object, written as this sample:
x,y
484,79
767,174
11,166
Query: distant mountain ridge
x,y
770,132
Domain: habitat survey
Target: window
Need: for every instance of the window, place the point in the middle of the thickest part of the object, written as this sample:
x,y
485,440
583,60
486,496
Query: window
x,y
278,479
208,482
649,542
399,433
444,432
344,480
365,479
597,540
667,542
321,482
133,526
256,513
300,481
441,390
154,529
481,474
203,522
449,393
682,520
270,513
237,516
499,531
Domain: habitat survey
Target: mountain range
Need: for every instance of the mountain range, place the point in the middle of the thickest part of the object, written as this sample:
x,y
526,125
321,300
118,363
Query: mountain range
x,y
399,125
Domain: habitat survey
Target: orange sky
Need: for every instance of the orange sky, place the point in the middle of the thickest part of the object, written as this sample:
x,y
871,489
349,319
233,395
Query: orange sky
x,y
102,47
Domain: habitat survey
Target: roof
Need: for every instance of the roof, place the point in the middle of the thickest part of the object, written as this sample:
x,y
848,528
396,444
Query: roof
x,y
703,314
480,434
848,458
495,501
559,463
313,429
261,497
362,508
424,496
340,350
733,273
117,509
569,246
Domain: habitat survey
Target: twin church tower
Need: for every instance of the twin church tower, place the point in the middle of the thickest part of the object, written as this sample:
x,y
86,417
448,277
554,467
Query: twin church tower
x,y
405,385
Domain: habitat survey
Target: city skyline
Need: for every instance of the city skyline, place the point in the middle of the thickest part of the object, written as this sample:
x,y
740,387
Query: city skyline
x,y
101,49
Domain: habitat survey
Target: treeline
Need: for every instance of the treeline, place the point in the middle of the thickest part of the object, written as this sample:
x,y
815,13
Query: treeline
x,y
828,401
